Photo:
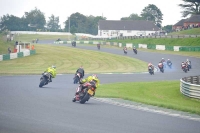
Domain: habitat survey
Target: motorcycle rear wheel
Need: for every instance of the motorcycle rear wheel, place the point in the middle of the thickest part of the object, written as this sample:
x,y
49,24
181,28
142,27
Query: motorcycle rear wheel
x,y
85,98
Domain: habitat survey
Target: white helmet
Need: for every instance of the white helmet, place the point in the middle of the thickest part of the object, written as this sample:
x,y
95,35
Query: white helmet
x,y
53,66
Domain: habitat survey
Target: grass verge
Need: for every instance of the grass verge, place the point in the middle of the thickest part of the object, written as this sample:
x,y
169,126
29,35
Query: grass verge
x,y
68,59
162,94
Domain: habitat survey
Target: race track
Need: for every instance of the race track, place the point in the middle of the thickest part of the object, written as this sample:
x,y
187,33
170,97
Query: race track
x,y
26,108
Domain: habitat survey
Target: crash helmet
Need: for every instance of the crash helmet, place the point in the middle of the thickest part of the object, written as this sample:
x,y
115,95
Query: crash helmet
x,y
168,59
53,66
94,77
149,64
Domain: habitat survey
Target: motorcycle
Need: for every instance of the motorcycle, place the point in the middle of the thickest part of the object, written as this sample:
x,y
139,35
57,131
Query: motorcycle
x,y
184,68
86,93
125,51
160,66
45,79
169,64
189,65
98,46
77,78
74,44
151,71
135,50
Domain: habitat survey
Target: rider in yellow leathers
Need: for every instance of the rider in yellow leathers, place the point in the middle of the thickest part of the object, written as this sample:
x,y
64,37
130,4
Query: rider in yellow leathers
x,y
52,71
92,78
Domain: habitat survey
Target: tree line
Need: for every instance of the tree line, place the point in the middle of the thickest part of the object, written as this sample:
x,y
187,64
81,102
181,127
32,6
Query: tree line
x,y
34,20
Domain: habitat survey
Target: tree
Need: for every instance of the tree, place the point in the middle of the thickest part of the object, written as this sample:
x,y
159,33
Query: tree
x,y
83,24
35,19
167,28
10,22
152,13
53,23
190,7
133,16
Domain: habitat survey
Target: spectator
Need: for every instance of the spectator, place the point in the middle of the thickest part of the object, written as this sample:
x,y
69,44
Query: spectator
x,y
8,37
9,50
16,43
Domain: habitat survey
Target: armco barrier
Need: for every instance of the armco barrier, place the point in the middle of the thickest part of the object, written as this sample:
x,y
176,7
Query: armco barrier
x,y
190,86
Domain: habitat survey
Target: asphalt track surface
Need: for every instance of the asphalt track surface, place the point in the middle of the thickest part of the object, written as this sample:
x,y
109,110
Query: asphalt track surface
x,y
26,108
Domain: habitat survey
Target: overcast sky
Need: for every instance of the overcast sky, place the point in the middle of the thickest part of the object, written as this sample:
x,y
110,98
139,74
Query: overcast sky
x,y
111,9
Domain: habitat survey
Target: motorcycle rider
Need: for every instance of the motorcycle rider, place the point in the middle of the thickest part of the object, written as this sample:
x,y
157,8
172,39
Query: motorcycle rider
x,y
52,71
188,62
151,65
169,61
160,65
81,71
134,48
162,60
183,64
125,49
91,79
98,46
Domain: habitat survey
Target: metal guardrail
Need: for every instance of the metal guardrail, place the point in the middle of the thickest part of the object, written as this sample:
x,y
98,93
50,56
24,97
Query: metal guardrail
x,y
190,86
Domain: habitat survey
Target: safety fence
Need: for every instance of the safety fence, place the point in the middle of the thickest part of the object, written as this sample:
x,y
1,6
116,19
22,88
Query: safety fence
x,y
131,45
138,37
24,53
190,86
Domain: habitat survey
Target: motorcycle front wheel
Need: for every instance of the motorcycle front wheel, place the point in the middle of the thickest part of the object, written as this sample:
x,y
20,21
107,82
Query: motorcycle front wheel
x,y
42,83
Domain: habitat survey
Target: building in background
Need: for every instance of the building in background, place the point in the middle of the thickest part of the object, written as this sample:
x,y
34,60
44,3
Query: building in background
x,y
120,28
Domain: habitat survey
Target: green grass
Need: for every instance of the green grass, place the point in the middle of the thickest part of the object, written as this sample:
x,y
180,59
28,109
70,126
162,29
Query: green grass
x,y
30,37
68,59
194,31
4,45
162,94
163,41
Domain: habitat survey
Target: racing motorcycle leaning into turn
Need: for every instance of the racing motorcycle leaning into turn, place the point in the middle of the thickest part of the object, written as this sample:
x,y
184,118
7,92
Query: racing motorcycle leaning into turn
x,y
161,67
83,95
45,79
